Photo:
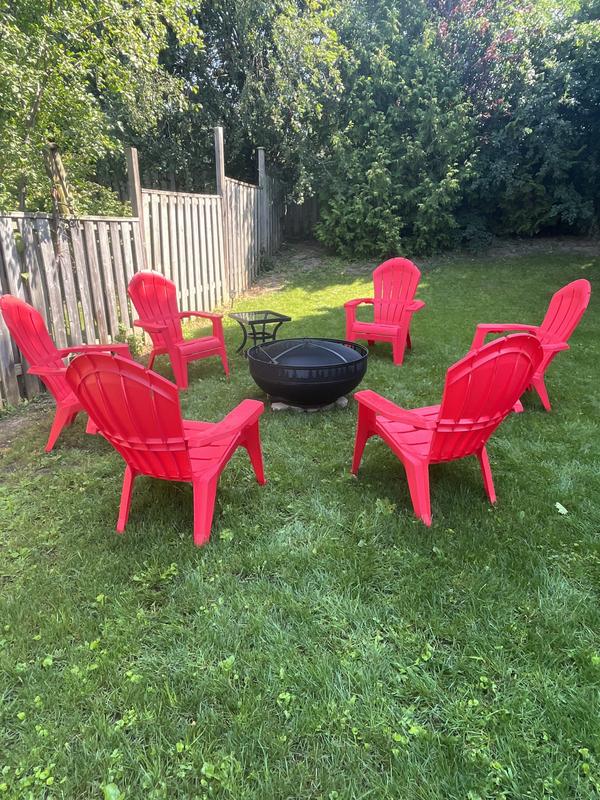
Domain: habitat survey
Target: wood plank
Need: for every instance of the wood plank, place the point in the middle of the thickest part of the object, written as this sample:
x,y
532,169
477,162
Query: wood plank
x,y
65,266
202,228
119,272
127,235
197,234
212,218
181,281
187,223
83,282
173,246
35,282
108,280
146,237
10,393
89,231
163,221
219,281
138,247
50,267
156,261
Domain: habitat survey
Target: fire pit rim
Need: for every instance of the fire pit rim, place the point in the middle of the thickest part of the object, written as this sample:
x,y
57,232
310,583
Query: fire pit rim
x,y
359,348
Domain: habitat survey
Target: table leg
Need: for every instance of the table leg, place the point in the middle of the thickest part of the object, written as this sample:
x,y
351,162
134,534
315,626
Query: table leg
x,y
245,339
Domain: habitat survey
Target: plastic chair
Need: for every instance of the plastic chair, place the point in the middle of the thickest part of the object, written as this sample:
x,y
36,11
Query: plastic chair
x,y
480,390
155,299
45,360
564,313
138,412
395,283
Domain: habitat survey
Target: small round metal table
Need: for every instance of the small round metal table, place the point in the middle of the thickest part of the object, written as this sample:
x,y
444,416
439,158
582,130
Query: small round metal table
x,y
254,325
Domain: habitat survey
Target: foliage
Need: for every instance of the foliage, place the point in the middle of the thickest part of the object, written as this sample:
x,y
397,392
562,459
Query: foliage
x,y
419,123
325,644
474,117
401,155
70,71
269,73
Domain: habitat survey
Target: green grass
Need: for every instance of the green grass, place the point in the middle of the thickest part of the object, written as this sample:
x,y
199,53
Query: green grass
x,y
325,644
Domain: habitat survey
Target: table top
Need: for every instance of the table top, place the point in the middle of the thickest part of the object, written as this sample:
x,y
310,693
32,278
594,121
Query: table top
x,y
259,316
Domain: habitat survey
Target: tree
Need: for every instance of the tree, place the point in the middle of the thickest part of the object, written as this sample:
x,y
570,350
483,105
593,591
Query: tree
x,y
71,72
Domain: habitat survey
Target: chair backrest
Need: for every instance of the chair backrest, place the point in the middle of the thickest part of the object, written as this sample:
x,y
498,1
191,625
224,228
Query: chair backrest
x,y
29,331
395,283
136,410
480,390
565,311
155,299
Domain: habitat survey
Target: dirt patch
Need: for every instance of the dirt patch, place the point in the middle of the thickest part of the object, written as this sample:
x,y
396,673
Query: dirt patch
x,y
16,421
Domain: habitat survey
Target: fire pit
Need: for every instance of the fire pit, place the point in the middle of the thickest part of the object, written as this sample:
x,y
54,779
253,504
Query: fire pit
x,y
308,372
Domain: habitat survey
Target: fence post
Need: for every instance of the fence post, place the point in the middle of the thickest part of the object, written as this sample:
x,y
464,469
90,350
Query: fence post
x,y
263,202
135,195
220,170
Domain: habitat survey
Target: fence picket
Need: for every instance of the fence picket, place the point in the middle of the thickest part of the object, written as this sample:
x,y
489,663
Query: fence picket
x,y
57,313
106,272
115,246
83,282
89,234
65,266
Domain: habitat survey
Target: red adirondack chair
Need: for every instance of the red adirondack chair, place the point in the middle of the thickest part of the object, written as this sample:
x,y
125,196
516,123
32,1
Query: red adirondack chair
x,y
155,298
395,283
480,390
138,412
45,360
564,313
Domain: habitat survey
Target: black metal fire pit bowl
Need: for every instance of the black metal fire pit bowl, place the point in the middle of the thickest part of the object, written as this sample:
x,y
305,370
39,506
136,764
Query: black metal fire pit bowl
x,y
308,372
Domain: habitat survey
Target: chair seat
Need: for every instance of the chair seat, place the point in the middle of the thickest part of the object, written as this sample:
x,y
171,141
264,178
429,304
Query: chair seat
x,y
413,441
208,457
381,328
190,347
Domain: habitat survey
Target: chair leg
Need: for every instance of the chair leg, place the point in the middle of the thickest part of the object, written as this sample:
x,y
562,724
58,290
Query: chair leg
x,y
223,357
128,479
91,427
62,417
151,359
417,475
398,346
364,431
540,387
486,471
408,341
180,370
205,492
253,446
371,342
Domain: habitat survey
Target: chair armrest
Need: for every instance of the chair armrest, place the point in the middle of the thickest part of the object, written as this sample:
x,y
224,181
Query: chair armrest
x,y
243,415
151,327
483,329
555,348
205,314
389,410
41,371
358,302
95,348
416,305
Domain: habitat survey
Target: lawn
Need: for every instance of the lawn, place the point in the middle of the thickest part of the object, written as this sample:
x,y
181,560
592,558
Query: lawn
x,y
325,644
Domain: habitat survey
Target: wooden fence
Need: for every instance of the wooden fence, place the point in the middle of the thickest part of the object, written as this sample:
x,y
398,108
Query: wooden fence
x,y
184,241
76,271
